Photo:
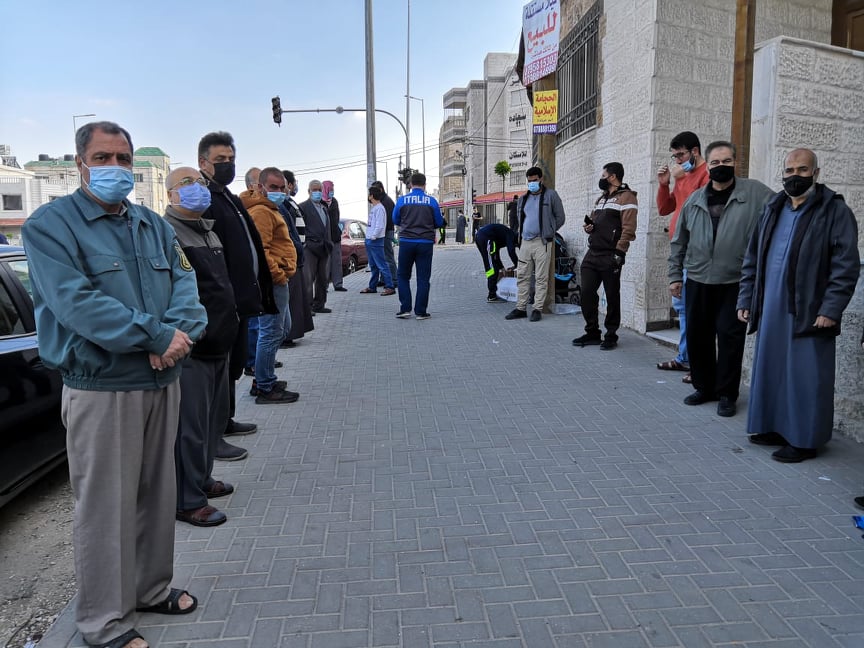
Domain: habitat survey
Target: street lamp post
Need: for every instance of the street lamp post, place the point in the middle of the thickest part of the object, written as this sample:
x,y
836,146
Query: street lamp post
x,y
422,125
75,126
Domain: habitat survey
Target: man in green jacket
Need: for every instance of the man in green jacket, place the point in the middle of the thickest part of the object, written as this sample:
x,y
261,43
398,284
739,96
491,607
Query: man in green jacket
x,y
117,310
710,239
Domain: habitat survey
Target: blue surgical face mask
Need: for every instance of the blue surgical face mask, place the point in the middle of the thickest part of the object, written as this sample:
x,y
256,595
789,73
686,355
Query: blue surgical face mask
x,y
194,197
293,191
330,195
316,196
276,197
688,166
110,184
534,186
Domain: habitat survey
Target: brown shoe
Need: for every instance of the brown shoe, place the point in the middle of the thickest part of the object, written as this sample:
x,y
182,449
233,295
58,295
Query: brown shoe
x,y
387,291
206,516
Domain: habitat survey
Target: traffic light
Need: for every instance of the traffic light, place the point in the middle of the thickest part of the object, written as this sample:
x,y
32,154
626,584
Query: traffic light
x,y
277,110
473,195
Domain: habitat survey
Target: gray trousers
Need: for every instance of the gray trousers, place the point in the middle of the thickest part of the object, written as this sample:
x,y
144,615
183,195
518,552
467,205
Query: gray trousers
x,y
121,468
336,265
203,418
315,274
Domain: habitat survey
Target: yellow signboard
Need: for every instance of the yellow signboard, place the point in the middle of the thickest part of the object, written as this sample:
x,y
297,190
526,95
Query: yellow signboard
x,y
545,112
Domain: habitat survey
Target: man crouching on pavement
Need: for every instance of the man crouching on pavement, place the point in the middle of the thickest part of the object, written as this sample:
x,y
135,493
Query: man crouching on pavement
x,y
116,311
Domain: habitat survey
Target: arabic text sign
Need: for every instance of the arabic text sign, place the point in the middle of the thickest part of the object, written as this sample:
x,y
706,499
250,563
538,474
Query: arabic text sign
x,y
545,112
541,26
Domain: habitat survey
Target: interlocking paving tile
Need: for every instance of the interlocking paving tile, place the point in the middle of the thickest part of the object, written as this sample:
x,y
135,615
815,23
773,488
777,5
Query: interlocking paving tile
x,y
470,481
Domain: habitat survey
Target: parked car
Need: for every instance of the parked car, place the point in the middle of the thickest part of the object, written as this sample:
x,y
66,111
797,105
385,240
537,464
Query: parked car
x,y
32,438
353,245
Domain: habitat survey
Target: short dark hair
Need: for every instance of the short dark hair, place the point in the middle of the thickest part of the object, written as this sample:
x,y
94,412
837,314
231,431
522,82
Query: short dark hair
x,y
377,183
418,180
376,192
616,169
721,144
267,172
289,177
217,138
687,140
85,134
534,171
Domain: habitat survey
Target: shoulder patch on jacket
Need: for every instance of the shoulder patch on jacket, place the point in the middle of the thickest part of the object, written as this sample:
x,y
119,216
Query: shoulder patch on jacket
x,y
184,261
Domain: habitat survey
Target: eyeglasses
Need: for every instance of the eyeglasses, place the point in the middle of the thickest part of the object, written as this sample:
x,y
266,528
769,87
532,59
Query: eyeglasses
x,y
185,182
680,155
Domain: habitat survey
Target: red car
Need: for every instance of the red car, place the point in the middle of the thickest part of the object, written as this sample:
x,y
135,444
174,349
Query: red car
x,y
353,245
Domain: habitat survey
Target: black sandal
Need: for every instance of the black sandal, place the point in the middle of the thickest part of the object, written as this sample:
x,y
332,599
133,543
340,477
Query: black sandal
x,y
171,605
121,641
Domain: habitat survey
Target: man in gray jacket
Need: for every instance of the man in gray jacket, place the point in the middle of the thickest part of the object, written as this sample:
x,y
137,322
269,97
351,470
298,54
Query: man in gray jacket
x,y
710,239
541,214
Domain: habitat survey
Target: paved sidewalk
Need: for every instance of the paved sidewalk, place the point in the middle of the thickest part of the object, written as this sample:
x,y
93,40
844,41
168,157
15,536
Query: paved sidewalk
x,y
472,482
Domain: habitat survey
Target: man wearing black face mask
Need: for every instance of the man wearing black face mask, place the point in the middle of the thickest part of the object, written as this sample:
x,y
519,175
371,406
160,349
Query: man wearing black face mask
x,y
610,229
799,274
244,255
709,242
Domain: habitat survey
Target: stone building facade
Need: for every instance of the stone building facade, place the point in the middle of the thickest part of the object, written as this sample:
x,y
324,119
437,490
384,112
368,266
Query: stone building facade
x,y
663,66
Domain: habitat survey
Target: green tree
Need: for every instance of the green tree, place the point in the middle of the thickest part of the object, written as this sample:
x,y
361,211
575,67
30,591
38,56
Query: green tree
x,y
503,169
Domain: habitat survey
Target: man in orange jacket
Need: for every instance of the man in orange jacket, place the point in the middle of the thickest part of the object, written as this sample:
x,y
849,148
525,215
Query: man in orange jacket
x,y
690,173
262,203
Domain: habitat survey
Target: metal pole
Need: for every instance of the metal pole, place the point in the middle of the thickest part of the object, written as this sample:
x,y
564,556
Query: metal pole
x,y
371,167
408,90
423,126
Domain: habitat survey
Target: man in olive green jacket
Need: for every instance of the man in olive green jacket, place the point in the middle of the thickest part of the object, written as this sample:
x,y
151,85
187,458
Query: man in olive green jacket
x,y
710,239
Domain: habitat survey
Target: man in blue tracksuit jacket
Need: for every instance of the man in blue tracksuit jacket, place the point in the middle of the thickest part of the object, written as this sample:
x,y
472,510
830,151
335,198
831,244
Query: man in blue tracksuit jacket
x,y
117,310
417,215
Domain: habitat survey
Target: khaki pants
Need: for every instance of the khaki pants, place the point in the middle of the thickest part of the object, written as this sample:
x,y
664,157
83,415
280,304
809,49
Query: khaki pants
x,y
534,258
121,468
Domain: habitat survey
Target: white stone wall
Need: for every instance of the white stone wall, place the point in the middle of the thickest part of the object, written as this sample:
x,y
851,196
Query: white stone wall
x,y
812,96
666,66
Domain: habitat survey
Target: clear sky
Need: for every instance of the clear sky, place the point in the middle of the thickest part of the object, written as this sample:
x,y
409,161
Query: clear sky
x,y
171,71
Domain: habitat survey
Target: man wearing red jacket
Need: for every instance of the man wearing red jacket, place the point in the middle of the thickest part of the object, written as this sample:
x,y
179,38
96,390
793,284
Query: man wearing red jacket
x,y
690,173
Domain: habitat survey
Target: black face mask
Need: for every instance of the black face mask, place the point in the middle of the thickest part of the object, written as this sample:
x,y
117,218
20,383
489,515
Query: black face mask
x,y
796,185
603,184
721,174
223,173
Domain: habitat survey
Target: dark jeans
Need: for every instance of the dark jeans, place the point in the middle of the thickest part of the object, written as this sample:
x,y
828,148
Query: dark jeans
x,y
377,264
271,332
413,253
600,270
715,337
388,254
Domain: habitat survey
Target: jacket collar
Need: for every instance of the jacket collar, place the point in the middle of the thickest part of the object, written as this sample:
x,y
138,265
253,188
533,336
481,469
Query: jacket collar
x,y
199,224
91,210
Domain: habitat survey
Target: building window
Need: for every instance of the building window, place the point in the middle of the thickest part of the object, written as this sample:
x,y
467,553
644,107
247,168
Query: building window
x,y
139,177
578,68
12,202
